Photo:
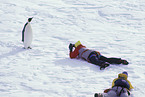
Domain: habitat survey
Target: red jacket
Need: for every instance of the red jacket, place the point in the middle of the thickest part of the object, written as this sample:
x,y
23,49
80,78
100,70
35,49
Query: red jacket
x,y
75,53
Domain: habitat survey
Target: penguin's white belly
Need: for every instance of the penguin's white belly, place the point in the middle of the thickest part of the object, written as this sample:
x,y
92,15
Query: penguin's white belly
x,y
28,35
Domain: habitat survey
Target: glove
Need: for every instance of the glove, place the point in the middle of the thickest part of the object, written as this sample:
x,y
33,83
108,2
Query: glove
x,y
106,90
71,47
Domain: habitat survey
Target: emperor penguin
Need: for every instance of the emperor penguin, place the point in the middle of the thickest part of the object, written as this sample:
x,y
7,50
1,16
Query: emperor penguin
x,y
27,34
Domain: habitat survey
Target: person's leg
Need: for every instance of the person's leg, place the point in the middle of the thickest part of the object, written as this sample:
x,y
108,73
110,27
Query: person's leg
x,y
113,60
124,93
96,61
111,93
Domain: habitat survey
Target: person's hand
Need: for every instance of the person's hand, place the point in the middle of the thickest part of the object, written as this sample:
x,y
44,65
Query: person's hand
x,y
71,47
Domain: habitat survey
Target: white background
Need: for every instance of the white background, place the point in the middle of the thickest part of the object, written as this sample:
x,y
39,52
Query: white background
x,y
115,28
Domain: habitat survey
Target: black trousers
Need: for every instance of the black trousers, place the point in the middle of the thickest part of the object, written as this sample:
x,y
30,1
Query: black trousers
x,y
111,60
94,59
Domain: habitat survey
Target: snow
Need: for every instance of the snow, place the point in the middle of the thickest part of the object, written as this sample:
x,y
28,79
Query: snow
x,y
113,27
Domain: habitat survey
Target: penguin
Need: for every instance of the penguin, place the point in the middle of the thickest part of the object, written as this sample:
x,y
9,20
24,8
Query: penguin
x,y
27,34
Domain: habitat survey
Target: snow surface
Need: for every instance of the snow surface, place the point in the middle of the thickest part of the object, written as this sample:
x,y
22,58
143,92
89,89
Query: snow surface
x,y
113,27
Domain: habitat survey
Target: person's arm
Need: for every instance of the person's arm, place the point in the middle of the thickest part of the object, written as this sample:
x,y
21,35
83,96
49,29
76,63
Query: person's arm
x,y
113,83
75,53
131,87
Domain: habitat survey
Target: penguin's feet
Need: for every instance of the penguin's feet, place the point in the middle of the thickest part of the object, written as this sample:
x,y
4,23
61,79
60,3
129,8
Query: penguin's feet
x,y
29,47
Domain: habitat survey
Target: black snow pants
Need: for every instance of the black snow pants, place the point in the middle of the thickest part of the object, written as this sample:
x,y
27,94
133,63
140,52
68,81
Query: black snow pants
x,y
99,60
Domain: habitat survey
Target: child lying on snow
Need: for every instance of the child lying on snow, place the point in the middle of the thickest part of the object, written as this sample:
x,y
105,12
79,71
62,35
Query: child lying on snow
x,y
92,56
120,87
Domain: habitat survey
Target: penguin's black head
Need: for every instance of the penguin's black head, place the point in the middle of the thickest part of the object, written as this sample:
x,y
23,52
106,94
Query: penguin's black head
x,y
29,19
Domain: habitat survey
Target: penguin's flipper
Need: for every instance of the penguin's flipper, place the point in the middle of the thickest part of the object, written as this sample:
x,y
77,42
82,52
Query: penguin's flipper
x,y
23,31
23,35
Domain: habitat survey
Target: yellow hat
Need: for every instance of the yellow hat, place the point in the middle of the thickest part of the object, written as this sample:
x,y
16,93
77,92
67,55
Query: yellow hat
x,y
77,43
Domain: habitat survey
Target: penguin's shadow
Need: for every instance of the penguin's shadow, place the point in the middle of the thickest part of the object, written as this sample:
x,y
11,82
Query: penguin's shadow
x,y
14,50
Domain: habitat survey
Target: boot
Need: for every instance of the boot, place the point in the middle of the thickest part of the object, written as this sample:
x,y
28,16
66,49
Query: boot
x,y
104,65
98,95
124,62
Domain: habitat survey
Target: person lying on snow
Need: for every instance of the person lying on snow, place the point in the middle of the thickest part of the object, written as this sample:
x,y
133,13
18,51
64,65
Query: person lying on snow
x,y
121,87
92,56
